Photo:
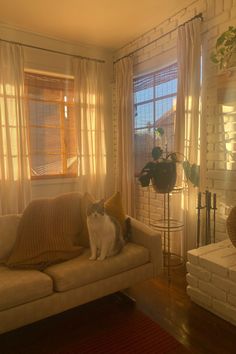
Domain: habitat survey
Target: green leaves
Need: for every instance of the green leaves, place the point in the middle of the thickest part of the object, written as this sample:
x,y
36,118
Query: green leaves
x,y
192,173
159,131
225,46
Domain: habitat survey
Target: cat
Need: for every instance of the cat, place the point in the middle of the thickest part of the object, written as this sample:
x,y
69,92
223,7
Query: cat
x,y
105,233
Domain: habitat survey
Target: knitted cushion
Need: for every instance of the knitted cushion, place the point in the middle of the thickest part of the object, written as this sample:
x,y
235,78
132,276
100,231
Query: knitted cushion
x,y
45,232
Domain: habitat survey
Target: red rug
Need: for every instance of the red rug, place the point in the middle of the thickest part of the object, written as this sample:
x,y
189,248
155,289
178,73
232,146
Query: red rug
x,y
110,325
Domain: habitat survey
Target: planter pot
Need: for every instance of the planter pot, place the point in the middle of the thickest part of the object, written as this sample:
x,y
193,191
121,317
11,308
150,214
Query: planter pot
x,y
164,176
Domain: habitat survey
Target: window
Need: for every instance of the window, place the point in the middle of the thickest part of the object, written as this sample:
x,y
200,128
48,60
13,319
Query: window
x,y
154,106
50,109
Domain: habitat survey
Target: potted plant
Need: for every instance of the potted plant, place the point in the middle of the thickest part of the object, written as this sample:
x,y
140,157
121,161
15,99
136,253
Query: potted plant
x,y
225,49
161,171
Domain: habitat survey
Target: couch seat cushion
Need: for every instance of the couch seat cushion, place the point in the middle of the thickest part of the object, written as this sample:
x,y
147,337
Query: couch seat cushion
x,y
81,271
21,286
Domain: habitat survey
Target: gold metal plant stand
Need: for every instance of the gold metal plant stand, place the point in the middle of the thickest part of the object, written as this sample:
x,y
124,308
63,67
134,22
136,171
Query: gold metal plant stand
x,y
168,225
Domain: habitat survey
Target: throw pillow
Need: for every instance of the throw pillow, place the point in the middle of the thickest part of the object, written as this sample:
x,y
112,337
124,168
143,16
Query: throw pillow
x,y
8,233
44,233
231,226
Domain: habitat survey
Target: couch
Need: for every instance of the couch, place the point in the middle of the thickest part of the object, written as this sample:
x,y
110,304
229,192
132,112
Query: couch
x,y
29,295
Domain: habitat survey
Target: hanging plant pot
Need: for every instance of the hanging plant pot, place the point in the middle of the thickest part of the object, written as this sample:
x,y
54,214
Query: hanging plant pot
x,y
164,176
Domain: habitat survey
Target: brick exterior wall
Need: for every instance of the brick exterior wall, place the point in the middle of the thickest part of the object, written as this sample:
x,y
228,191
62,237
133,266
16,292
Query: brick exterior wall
x,y
220,165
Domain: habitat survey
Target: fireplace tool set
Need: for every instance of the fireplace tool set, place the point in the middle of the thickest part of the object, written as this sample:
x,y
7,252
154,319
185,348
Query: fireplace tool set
x,y
210,205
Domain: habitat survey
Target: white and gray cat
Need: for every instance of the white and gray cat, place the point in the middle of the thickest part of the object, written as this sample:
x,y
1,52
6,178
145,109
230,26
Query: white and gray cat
x,y
105,234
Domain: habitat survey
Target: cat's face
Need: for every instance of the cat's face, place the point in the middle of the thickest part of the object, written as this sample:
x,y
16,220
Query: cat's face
x,y
96,209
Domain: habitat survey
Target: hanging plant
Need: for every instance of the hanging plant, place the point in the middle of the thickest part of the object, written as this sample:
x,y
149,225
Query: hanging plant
x,y
225,49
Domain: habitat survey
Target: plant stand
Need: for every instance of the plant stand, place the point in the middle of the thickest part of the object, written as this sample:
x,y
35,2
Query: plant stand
x,y
168,226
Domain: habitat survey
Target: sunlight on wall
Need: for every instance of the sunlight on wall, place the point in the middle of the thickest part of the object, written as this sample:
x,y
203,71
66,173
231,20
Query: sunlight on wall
x,y
229,126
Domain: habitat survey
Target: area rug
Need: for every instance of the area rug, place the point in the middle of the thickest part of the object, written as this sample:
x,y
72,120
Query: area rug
x,y
110,325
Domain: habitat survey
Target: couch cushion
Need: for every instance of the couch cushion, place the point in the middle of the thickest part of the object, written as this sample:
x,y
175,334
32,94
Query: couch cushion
x,y
81,271
21,286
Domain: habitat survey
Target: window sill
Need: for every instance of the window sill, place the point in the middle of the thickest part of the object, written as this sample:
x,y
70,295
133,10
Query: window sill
x,y
54,180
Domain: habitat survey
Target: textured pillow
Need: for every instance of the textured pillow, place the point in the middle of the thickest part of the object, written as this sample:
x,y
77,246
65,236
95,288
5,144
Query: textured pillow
x,y
114,207
44,232
231,226
8,233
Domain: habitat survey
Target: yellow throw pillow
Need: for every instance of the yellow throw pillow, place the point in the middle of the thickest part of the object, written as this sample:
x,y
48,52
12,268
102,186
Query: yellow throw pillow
x,y
114,207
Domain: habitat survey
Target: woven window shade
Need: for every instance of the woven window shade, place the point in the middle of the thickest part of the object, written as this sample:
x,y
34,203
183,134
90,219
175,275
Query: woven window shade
x,y
50,108
155,78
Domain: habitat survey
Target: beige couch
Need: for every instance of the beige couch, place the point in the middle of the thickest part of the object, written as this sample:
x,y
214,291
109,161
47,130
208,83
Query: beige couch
x,y
27,296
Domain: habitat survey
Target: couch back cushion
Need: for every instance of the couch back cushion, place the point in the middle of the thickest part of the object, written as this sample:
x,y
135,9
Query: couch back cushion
x,y
47,232
8,232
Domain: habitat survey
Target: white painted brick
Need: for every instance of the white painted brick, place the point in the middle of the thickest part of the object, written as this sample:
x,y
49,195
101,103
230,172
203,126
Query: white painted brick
x,y
220,236
224,309
210,8
232,300
219,261
193,255
219,7
198,272
229,185
233,12
212,290
195,293
192,280
227,4
217,20
224,284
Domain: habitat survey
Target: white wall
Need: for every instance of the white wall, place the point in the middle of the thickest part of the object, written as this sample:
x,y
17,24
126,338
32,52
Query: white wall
x,y
218,15
44,60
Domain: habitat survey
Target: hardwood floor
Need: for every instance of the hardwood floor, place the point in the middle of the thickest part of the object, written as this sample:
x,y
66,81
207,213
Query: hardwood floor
x,y
168,304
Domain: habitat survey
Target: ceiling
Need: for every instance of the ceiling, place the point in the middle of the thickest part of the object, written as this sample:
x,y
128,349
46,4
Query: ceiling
x,y
105,23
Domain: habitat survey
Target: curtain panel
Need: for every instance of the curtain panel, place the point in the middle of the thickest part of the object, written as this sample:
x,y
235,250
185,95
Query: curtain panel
x,y
15,185
187,127
124,164
89,110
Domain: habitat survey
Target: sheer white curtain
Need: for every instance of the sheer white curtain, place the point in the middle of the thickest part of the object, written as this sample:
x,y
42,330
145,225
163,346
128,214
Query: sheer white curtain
x,y
124,174
15,186
89,110
187,126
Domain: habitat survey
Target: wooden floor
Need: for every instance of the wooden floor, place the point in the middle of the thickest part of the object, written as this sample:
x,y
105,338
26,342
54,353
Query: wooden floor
x,y
168,304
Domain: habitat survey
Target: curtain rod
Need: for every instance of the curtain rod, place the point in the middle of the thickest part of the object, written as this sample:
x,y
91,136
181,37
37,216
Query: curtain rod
x,y
155,40
53,51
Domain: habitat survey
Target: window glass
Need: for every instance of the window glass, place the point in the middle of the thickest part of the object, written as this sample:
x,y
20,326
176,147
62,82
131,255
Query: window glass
x,y
154,106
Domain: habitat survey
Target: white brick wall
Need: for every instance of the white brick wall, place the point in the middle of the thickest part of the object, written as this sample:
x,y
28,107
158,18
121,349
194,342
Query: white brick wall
x,y
221,177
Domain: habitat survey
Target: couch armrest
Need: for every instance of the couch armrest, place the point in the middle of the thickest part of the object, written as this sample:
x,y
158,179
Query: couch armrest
x,y
145,236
